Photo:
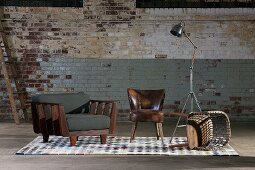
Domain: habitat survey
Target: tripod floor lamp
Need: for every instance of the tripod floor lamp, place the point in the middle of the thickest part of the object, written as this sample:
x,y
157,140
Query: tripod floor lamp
x,y
178,30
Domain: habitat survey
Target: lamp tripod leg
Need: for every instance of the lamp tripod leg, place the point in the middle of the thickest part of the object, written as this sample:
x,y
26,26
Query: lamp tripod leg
x,y
177,124
196,101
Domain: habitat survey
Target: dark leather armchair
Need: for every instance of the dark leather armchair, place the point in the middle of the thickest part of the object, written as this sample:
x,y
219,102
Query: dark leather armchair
x,y
146,106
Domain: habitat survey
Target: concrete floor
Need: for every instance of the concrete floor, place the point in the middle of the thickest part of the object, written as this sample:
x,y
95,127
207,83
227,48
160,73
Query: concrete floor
x,y
13,137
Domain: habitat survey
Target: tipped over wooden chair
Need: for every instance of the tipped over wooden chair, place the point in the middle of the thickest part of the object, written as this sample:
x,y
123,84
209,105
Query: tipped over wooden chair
x,y
146,106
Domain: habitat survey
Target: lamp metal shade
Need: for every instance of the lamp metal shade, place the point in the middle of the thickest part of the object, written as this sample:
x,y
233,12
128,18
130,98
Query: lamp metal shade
x,y
177,30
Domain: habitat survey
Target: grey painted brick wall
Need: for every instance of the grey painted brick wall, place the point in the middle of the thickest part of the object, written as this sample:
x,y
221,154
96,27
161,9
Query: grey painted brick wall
x,y
218,84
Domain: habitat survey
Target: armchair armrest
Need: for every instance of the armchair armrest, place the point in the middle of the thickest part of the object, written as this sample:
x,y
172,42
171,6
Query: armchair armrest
x,y
178,114
56,125
108,108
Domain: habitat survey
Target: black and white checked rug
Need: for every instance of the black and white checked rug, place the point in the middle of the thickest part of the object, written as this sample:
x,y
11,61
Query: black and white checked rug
x,y
90,145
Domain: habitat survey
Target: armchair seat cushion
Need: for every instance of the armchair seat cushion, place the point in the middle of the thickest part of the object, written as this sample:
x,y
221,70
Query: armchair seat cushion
x,y
144,115
83,122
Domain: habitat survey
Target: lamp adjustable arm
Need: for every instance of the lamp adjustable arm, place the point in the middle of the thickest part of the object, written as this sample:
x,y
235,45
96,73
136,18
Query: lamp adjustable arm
x,y
190,40
195,47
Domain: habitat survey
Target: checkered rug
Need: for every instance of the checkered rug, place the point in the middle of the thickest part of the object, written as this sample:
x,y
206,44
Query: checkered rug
x,y
117,145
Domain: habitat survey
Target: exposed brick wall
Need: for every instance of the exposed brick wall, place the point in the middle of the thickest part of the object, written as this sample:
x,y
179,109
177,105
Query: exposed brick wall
x,y
65,49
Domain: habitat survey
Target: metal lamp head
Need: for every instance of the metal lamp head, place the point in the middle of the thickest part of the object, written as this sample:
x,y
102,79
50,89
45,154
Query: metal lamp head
x,y
177,30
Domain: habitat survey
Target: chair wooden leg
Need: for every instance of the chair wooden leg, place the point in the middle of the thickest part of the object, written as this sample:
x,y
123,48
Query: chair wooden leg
x,y
73,140
157,130
161,132
103,138
134,127
45,138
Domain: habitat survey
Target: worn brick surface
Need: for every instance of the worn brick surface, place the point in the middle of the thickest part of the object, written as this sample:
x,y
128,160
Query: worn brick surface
x,y
90,49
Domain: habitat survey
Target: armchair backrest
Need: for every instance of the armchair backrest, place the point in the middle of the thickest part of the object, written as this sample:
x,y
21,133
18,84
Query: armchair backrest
x,y
146,99
73,102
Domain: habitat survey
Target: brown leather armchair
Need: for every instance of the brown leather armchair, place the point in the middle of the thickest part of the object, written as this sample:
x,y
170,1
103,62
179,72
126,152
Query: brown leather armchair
x,y
146,106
